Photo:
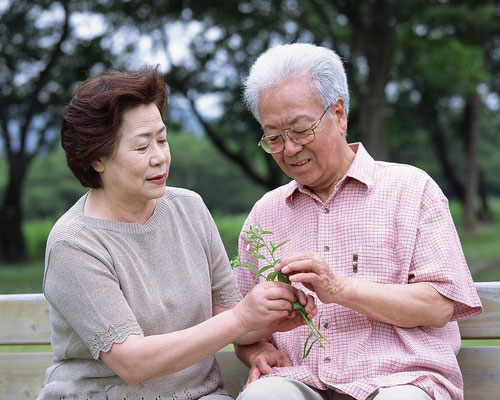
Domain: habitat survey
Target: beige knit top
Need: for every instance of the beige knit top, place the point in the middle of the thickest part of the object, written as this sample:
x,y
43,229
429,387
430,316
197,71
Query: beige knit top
x,y
105,280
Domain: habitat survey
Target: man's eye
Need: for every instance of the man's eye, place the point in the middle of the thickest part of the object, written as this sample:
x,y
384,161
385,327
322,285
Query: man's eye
x,y
143,148
273,138
301,130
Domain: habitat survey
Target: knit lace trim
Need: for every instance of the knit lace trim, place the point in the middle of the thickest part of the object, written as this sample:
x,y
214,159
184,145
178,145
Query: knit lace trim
x,y
114,334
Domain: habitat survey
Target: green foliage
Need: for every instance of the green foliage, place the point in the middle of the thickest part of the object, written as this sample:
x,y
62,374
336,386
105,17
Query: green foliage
x,y
229,227
50,188
260,249
196,165
36,233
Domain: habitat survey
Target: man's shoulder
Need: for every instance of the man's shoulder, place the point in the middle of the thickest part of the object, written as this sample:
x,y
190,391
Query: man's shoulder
x,y
404,178
276,197
403,173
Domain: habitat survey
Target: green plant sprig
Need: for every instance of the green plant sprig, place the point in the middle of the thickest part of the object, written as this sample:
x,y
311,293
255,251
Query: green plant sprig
x,y
256,242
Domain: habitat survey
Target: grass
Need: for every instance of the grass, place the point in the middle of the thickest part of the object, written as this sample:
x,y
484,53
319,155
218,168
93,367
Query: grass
x,y
25,278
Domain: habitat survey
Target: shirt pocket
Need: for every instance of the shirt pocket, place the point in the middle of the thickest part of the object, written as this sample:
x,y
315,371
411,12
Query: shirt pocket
x,y
375,263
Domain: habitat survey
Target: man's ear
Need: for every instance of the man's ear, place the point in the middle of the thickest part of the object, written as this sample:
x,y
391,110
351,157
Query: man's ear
x,y
340,115
98,165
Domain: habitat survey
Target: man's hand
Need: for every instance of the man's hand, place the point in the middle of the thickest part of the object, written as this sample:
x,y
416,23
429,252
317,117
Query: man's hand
x,y
261,357
312,271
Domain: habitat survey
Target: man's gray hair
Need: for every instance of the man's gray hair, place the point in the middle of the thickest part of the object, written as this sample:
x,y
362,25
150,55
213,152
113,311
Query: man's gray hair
x,y
322,65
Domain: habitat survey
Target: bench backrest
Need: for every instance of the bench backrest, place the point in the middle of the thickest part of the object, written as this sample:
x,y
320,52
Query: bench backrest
x,y
24,320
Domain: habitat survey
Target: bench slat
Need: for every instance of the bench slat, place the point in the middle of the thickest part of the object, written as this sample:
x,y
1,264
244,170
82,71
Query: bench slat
x,y
487,324
481,371
24,319
22,374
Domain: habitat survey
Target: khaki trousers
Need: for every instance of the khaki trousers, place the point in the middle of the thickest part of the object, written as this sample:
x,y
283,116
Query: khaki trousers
x,y
278,388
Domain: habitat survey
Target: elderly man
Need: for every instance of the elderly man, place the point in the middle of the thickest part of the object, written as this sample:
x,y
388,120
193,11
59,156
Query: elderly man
x,y
373,241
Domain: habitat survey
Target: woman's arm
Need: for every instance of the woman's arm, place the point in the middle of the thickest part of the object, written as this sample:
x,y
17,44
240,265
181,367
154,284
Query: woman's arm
x,y
292,321
140,357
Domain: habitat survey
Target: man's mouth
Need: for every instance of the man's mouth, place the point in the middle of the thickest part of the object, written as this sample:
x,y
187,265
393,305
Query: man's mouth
x,y
300,163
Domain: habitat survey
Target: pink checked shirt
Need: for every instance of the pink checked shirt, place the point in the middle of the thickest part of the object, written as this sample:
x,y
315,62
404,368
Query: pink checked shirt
x,y
396,220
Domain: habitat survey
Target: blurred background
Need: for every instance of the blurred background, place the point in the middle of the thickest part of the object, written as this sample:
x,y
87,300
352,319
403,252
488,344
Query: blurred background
x,y
424,78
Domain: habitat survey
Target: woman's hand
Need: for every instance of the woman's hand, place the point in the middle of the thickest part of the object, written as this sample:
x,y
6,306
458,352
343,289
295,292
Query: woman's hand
x,y
267,303
294,319
312,271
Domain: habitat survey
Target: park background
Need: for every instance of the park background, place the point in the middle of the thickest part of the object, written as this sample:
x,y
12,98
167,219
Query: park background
x,y
423,75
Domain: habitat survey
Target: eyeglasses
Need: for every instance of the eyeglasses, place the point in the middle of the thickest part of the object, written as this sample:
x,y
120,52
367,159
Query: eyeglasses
x,y
273,140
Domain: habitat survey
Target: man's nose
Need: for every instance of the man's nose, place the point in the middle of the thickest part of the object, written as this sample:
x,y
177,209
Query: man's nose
x,y
290,148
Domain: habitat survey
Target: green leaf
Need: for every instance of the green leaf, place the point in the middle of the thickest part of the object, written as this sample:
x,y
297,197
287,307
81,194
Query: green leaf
x,y
283,278
263,269
272,276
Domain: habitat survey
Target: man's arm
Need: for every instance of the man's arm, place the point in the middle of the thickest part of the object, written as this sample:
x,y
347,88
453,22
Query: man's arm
x,y
407,305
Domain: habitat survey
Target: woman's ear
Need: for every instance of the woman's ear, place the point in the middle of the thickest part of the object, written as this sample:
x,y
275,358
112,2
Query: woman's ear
x,y
98,165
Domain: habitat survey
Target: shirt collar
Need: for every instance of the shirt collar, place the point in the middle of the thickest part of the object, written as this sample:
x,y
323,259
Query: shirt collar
x,y
361,169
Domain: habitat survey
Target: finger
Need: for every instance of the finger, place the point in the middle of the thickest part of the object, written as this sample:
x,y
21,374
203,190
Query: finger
x,y
310,303
264,367
301,297
285,361
279,306
295,267
310,278
301,255
287,294
253,375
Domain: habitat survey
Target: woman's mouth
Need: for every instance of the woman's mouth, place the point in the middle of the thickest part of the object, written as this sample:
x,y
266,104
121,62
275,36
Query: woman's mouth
x,y
158,179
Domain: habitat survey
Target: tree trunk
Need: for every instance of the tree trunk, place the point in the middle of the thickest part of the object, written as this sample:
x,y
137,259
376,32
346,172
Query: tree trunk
x,y
485,214
12,246
372,124
471,138
429,112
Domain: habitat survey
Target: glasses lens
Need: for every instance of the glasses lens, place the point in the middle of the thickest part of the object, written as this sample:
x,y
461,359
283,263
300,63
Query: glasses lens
x,y
272,143
301,135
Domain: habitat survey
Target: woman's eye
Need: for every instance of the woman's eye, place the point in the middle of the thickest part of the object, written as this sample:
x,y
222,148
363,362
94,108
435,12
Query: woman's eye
x,y
143,148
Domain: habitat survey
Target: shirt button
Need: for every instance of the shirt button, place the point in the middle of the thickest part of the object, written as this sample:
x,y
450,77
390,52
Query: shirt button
x,y
326,325
327,360
326,248
326,210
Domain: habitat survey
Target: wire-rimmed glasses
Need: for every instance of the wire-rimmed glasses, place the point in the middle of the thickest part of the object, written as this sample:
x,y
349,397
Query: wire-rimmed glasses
x,y
273,140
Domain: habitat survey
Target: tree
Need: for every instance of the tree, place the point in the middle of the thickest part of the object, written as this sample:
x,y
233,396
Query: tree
x,y
41,59
373,37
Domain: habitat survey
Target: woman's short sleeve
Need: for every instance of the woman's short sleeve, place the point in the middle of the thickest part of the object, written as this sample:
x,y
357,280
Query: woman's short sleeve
x,y
80,284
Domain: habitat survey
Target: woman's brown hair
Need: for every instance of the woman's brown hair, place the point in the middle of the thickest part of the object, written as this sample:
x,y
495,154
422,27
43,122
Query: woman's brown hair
x,y
94,115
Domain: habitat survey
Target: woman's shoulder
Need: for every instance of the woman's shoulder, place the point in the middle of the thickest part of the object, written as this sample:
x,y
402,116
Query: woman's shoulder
x,y
67,227
183,198
173,192
185,202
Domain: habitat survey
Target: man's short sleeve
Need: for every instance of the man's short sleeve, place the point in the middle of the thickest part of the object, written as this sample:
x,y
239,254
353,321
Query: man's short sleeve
x,y
438,259
81,286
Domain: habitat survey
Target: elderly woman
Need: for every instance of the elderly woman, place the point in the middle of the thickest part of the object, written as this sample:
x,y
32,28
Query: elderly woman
x,y
139,284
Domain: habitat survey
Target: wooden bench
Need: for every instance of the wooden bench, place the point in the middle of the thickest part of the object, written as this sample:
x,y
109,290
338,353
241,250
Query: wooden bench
x,y
24,320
